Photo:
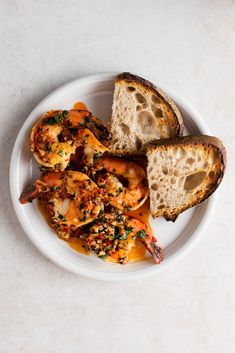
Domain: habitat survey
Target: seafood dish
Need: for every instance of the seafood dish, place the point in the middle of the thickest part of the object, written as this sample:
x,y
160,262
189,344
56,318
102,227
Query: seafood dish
x,y
87,192
100,183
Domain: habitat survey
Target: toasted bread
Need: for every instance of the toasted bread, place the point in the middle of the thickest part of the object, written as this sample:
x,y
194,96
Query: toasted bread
x,y
141,113
183,172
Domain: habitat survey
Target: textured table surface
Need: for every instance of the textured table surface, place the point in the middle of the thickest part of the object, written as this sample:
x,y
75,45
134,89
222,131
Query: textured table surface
x,y
186,45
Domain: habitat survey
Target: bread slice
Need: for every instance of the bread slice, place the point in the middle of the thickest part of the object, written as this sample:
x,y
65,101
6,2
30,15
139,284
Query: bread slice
x,y
183,172
141,113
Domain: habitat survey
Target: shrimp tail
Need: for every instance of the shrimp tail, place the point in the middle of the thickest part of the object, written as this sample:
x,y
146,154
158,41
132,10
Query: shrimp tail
x,y
33,192
154,249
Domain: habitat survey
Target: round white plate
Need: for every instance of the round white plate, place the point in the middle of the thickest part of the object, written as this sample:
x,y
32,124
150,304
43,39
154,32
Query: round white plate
x,y
175,238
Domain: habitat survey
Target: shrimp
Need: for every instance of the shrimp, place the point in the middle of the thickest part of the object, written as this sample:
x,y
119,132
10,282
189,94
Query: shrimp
x,y
56,136
114,234
92,149
125,182
72,199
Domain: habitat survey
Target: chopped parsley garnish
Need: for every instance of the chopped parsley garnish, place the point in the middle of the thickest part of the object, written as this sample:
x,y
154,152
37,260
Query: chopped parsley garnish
x,y
103,256
118,235
42,169
123,236
116,231
119,217
86,119
60,153
141,234
56,119
119,191
96,156
128,230
51,121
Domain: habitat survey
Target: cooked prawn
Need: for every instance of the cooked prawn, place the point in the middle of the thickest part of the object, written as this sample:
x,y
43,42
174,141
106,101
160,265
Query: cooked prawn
x,y
114,234
58,133
125,182
92,149
72,199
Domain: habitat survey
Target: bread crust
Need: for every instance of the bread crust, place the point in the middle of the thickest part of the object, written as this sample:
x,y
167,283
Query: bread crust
x,y
140,82
193,141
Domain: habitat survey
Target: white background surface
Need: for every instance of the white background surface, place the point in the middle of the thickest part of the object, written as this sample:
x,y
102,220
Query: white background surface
x,y
186,45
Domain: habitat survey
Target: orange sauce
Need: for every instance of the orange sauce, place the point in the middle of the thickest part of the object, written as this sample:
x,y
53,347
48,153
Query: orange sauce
x,y
80,106
78,245
142,213
138,252
42,208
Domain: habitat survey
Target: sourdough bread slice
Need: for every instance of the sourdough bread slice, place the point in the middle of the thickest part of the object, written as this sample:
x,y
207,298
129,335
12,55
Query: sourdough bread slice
x,y
141,113
183,172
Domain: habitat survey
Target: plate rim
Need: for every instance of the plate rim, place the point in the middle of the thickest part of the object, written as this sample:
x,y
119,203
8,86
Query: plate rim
x,y
185,248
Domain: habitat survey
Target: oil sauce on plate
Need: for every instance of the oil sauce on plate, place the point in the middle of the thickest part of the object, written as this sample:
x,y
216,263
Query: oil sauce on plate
x,y
80,106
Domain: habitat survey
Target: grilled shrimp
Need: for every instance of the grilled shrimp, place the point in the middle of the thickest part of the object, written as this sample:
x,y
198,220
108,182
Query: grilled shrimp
x,y
92,148
72,199
124,183
58,133
114,234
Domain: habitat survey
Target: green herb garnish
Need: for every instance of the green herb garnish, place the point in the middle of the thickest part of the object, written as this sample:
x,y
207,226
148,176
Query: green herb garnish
x,y
56,119
65,113
119,217
128,230
86,119
60,153
141,234
42,169
119,191
116,231
96,156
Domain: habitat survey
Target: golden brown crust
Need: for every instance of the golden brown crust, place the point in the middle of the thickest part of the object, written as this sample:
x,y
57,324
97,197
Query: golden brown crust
x,y
140,82
193,142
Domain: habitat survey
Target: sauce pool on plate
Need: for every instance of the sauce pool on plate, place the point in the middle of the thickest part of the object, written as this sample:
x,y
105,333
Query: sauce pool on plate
x,y
80,106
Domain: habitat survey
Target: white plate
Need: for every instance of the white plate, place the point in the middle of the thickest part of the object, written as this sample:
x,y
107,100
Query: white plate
x,y
175,238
